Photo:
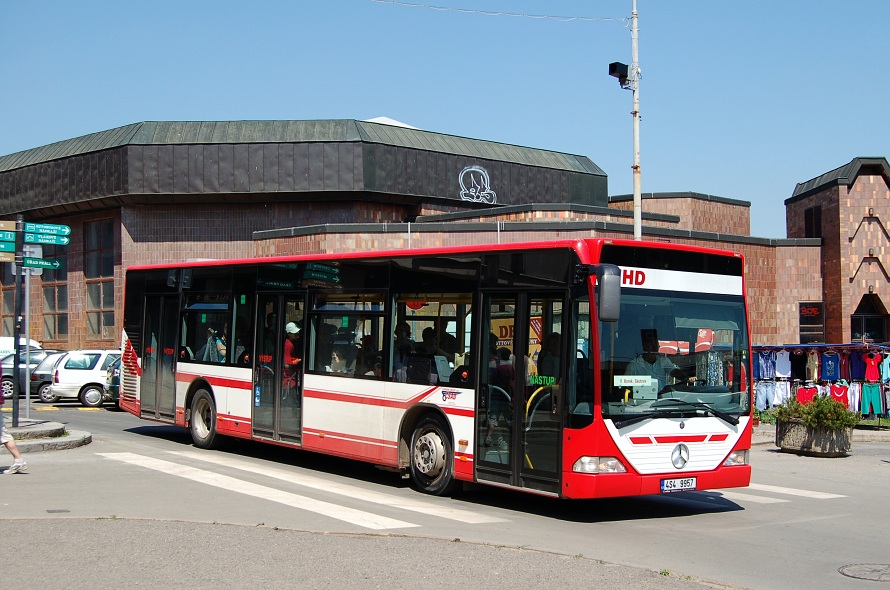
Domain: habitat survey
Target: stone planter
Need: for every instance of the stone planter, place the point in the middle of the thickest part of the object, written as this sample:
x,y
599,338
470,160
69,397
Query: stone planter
x,y
794,437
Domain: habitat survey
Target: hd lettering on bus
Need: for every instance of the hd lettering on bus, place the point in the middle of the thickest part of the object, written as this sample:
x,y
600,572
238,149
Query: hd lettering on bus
x,y
632,277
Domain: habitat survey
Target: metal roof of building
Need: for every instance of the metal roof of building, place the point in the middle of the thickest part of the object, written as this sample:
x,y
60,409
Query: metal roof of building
x,y
332,130
845,174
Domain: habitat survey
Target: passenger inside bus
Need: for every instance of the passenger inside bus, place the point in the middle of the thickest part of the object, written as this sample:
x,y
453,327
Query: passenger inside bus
x,y
403,346
548,358
293,346
652,363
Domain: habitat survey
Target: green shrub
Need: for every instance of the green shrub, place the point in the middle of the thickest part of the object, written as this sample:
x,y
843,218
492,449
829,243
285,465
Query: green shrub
x,y
822,411
765,416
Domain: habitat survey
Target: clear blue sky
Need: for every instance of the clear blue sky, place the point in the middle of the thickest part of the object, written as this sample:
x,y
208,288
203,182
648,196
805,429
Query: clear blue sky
x,y
740,99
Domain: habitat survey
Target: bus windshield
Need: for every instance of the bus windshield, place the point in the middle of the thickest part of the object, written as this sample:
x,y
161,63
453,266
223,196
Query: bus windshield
x,y
675,354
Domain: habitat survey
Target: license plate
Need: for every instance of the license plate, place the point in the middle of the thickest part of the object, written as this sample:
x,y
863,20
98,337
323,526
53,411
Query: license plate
x,y
683,484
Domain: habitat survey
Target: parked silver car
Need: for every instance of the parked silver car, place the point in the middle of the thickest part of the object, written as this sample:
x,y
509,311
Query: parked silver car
x,y
8,365
81,374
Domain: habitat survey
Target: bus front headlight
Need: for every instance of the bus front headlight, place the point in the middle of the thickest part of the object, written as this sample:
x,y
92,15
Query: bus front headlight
x,y
736,458
598,465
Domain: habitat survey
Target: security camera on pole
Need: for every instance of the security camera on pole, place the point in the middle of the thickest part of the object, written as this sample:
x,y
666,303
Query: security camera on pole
x,y
630,80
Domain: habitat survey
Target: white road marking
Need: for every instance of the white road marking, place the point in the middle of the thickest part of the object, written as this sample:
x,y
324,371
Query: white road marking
x,y
350,515
317,483
738,496
794,492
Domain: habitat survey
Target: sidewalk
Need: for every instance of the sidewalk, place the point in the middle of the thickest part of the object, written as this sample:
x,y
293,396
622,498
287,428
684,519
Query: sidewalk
x,y
766,434
32,436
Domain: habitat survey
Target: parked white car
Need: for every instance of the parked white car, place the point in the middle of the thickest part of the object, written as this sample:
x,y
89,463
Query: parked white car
x,y
81,374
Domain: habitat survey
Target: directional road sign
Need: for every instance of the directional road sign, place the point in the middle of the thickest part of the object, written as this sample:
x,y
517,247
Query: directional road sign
x,y
47,228
41,263
7,236
47,239
7,257
7,246
7,225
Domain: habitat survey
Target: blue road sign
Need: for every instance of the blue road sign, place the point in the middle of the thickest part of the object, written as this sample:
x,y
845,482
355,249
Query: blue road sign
x,y
7,236
7,246
47,228
47,239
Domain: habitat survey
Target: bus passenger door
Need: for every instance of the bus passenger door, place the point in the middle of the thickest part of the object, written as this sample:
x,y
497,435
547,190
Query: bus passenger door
x,y
158,382
277,387
519,403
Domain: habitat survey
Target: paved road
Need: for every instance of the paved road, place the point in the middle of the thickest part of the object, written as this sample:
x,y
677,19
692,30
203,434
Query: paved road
x,y
170,515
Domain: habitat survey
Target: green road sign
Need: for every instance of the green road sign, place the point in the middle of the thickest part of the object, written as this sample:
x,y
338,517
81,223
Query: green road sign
x,y
47,228
47,239
320,276
41,263
7,246
7,236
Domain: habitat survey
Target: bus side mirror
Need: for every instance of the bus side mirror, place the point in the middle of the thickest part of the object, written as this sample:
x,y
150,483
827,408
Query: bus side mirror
x,y
608,277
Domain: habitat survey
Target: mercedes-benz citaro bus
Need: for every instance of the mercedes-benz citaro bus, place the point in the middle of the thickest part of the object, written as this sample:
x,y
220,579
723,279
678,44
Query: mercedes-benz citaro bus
x,y
579,368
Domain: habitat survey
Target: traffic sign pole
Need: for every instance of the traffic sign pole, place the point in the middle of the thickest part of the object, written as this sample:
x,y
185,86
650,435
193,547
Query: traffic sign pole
x,y
17,332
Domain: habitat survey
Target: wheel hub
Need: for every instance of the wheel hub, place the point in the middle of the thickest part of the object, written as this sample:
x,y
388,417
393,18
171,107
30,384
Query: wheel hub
x,y
429,454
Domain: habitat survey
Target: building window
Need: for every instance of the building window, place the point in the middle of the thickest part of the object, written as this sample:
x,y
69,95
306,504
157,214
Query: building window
x,y
55,295
812,321
99,277
812,222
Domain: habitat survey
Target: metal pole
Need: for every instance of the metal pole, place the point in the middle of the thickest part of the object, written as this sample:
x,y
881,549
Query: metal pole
x,y
635,81
17,331
27,344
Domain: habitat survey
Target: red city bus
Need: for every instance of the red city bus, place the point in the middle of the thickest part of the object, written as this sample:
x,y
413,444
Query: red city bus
x,y
529,366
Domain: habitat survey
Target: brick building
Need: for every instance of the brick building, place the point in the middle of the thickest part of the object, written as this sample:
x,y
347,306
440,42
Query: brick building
x,y
156,192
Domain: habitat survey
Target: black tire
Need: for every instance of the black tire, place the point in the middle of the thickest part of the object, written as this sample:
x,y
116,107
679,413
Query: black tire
x,y
202,421
92,396
432,457
45,394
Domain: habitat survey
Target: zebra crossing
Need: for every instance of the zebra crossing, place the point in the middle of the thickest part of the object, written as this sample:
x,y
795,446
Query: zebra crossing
x,y
182,464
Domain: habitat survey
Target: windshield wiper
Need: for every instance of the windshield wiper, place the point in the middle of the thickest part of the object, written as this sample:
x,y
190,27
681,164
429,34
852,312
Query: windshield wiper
x,y
702,406
676,406
619,424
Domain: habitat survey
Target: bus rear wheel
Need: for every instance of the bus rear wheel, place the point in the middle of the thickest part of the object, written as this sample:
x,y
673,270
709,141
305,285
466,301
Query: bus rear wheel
x,y
202,423
432,457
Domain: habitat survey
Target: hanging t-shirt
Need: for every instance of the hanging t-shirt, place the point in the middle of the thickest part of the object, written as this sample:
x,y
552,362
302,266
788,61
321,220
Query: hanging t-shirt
x,y
839,394
812,365
857,366
798,364
872,360
885,369
845,365
783,364
831,366
766,364
806,394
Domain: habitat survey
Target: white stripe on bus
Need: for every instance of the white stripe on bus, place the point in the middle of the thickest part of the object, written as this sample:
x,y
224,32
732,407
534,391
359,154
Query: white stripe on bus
x,y
350,515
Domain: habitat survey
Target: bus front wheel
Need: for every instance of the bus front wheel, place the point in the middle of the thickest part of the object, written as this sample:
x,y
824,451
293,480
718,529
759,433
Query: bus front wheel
x,y
432,457
202,424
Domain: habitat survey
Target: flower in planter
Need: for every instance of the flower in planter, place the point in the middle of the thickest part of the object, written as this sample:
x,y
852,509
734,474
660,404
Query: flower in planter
x,y
822,412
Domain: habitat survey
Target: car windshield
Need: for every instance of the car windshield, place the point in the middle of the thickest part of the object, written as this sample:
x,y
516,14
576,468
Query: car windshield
x,y
675,354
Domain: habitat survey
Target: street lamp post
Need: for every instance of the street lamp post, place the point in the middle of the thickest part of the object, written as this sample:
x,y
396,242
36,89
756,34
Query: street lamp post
x,y
629,78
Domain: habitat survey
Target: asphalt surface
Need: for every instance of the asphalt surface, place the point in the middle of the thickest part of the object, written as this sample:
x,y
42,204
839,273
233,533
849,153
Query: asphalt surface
x,y
119,553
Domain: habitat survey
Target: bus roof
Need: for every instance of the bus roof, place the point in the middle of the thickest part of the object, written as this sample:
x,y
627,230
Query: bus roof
x,y
586,248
